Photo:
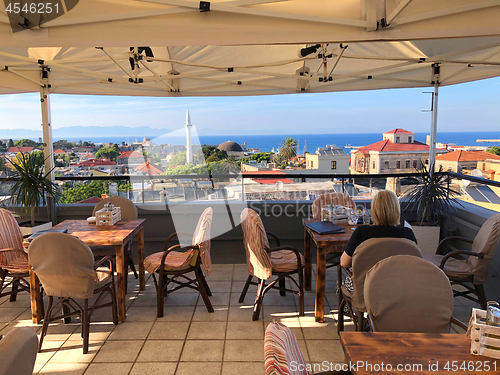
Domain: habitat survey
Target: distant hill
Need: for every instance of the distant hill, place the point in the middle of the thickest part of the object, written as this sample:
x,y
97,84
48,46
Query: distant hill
x,y
85,131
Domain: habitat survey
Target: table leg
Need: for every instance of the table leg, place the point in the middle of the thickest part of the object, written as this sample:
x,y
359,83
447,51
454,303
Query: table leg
x,y
320,284
308,258
37,312
140,254
121,273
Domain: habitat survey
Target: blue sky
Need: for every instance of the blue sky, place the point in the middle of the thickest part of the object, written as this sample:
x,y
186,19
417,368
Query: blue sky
x,y
465,107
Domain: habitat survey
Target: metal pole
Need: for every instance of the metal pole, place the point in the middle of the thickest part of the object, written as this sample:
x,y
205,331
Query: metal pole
x,y
432,146
48,147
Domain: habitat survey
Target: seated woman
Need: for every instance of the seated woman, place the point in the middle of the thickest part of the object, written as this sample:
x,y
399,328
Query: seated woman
x,y
385,216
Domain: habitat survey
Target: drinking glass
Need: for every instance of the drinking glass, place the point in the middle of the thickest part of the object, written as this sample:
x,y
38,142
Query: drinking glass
x,y
353,217
366,217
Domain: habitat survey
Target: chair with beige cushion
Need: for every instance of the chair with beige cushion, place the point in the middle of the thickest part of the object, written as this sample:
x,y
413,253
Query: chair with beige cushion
x,y
65,266
282,355
18,350
404,293
170,267
365,257
128,212
474,269
14,270
264,262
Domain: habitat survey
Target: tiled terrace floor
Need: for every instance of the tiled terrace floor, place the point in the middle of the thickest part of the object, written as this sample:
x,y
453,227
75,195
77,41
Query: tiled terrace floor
x,y
187,340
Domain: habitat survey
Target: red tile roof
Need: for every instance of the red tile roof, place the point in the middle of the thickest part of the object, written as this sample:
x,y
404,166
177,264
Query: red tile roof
x,y
387,146
20,149
462,155
149,168
399,131
93,199
59,151
94,162
272,181
131,154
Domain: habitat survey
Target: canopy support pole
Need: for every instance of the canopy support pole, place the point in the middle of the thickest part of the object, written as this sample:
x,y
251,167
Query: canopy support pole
x,y
434,110
48,147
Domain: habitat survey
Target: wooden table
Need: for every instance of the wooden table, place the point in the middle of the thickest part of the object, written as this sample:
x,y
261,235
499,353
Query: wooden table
x,y
322,243
118,236
413,353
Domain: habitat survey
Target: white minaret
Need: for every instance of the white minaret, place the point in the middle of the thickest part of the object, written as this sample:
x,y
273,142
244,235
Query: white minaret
x,y
189,150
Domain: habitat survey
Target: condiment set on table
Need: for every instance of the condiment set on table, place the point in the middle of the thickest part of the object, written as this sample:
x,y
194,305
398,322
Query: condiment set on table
x,y
484,329
108,215
340,214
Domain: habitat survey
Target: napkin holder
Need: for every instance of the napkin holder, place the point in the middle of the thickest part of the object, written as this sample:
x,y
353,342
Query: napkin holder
x,y
108,215
485,339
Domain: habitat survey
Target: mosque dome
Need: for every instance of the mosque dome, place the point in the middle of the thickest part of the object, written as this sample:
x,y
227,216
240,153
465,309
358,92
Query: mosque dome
x,y
230,146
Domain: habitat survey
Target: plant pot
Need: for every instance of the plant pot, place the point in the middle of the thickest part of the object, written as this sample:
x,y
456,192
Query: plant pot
x,y
427,237
28,231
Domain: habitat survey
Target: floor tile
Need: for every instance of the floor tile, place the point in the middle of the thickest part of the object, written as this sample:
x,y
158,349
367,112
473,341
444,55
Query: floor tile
x,y
155,368
207,331
119,351
220,314
219,286
177,314
319,331
242,313
72,352
181,299
205,368
141,314
202,351
131,331
244,350
245,330
108,368
63,368
98,332
217,299
160,351
325,350
168,330
7,314
247,368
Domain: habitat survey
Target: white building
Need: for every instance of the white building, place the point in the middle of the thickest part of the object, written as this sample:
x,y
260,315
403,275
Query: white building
x,y
330,159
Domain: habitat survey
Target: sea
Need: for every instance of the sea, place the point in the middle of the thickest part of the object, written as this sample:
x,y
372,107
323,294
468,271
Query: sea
x,y
309,142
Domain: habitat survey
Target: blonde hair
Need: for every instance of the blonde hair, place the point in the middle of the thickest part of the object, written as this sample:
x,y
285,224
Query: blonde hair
x,y
385,208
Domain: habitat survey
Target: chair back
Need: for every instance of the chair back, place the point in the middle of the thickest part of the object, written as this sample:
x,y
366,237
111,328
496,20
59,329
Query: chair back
x,y
64,264
255,241
368,254
10,234
128,208
18,349
341,199
404,293
201,237
486,242
282,354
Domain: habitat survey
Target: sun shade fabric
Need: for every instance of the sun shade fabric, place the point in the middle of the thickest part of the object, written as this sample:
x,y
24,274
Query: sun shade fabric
x,y
178,261
485,242
64,264
18,349
281,349
404,293
368,254
128,208
255,242
11,238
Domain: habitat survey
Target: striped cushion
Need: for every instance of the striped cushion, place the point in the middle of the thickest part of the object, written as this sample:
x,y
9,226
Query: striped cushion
x,y
255,241
175,261
11,238
281,350
285,260
341,199
201,237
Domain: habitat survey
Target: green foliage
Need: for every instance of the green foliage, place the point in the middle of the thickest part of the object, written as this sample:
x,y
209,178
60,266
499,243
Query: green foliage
x,y
3,146
188,169
259,157
25,143
2,164
288,149
494,150
80,191
10,144
432,197
107,153
31,184
178,159
63,143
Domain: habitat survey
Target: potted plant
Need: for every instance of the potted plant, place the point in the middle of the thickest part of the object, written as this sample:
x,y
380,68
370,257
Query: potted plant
x,y
31,186
431,200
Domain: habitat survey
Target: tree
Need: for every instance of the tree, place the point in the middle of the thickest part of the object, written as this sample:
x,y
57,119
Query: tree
x,y
107,153
63,143
25,143
11,143
3,146
288,149
494,150
209,154
80,191
178,159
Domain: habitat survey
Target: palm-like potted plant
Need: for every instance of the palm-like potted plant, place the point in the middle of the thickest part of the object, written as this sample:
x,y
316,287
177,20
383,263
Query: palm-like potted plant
x,y
31,184
431,200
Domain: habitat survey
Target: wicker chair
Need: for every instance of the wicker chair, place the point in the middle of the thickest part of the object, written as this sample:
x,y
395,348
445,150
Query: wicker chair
x,y
170,265
65,266
14,270
264,262
473,270
282,354
18,350
365,257
404,293
129,212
